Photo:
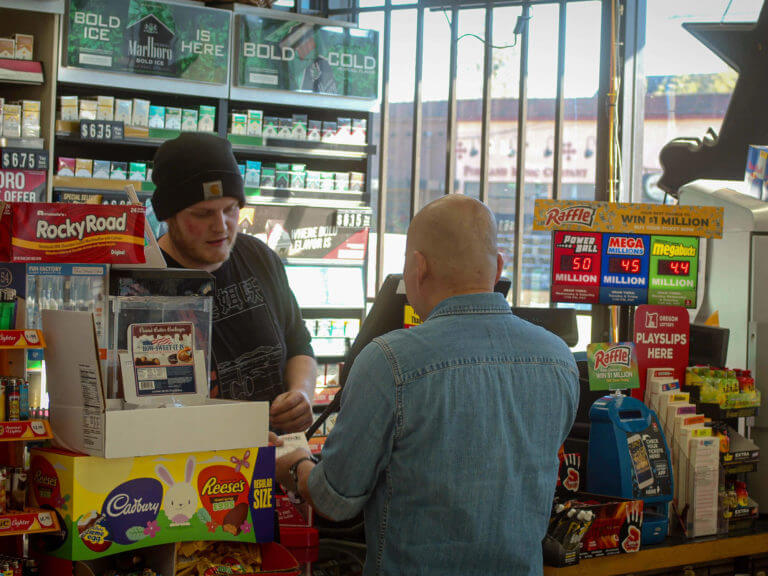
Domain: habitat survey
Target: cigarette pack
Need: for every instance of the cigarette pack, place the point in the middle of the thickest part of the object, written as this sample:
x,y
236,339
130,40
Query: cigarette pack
x,y
241,167
149,172
329,131
124,111
188,120
172,118
255,118
359,130
267,177
239,124
69,108
30,120
326,181
157,117
299,129
65,167
118,171
270,127
298,167
12,121
137,171
313,180
7,48
101,169
282,179
357,181
253,173
315,130
285,128
283,166
344,130
88,109
341,181
298,179
25,46
207,119
141,113
105,108
83,168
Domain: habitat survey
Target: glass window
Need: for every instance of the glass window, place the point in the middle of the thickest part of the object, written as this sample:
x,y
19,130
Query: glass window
x,y
434,97
540,142
469,96
502,159
688,86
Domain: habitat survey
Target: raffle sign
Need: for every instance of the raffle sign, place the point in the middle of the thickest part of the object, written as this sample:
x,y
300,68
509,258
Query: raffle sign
x,y
72,233
612,366
662,336
605,253
700,221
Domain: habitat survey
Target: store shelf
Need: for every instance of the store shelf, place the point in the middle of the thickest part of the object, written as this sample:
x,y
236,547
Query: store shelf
x,y
668,556
142,83
21,72
21,339
269,200
100,184
75,196
30,521
30,143
25,430
715,412
299,148
152,139
302,99
46,6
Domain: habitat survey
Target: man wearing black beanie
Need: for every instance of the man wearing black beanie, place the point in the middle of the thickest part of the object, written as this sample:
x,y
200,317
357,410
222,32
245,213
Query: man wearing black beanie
x,y
261,348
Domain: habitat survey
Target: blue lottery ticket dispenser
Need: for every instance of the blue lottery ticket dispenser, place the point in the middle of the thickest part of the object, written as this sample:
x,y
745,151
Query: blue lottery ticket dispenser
x,y
629,458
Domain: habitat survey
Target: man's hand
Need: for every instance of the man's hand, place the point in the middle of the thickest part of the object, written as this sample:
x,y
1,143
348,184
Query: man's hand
x,y
283,464
291,412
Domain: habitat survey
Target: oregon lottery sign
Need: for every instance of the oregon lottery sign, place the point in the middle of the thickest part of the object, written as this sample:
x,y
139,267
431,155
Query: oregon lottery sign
x,y
612,259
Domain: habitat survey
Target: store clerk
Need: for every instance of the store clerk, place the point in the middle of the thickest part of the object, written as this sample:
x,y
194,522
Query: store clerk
x,y
261,348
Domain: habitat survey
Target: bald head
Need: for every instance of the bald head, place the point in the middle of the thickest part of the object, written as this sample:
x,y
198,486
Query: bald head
x,y
456,235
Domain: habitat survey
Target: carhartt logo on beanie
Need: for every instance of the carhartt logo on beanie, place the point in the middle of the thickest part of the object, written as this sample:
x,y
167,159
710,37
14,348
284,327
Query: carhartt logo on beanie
x,y
192,168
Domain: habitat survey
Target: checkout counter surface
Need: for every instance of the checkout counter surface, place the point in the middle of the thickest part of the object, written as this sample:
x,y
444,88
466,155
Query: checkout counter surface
x,y
342,558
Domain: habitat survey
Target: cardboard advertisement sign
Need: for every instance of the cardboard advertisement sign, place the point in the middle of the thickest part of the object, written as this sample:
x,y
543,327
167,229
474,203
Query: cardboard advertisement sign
x,y
576,267
280,53
22,185
188,42
74,233
662,339
115,505
612,366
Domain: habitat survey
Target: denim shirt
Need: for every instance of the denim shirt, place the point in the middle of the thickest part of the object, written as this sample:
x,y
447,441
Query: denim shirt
x,y
447,439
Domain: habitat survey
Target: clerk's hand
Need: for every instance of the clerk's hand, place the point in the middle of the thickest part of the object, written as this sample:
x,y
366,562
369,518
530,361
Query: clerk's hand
x,y
291,412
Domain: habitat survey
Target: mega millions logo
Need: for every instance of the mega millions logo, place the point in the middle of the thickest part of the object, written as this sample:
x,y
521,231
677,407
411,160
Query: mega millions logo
x,y
626,246
614,356
582,215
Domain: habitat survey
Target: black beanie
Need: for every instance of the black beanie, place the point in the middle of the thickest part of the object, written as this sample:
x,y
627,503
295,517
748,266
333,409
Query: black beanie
x,y
191,168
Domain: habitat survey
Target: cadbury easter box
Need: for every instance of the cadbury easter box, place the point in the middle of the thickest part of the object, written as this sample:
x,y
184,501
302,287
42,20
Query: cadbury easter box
x,y
107,506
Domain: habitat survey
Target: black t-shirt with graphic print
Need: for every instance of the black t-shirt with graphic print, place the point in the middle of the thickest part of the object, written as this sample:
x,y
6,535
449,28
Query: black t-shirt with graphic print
x,y
257,324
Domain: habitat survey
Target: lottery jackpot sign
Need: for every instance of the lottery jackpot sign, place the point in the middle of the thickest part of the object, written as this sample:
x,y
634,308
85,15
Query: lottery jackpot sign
x,y
603,254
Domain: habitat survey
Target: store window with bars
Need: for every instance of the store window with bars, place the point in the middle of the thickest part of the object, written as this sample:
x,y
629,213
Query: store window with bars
x,y
483,99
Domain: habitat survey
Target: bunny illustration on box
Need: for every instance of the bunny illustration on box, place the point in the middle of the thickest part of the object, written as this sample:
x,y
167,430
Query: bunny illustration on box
x,y
180,501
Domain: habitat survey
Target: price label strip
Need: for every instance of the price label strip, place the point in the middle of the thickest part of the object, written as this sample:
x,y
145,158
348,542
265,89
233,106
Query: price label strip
x,y
23,159
101,130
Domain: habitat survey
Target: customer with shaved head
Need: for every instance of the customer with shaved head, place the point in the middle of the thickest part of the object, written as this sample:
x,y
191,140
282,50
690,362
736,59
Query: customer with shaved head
x,y
448,432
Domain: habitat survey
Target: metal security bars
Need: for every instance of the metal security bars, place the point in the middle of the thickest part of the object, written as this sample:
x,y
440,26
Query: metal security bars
x,y
487,114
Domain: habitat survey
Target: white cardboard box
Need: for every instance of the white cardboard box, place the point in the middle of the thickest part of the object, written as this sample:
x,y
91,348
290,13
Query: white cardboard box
x,y
84,420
